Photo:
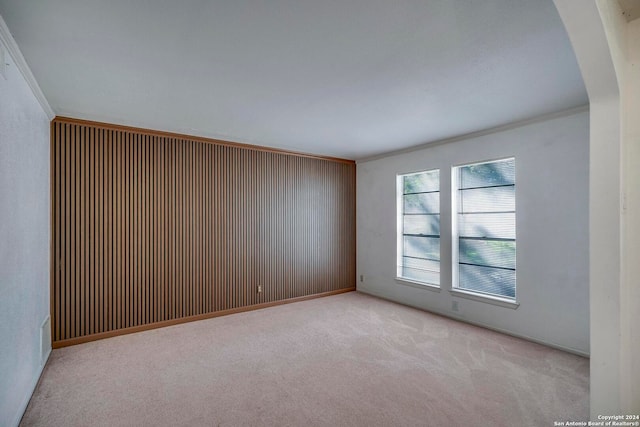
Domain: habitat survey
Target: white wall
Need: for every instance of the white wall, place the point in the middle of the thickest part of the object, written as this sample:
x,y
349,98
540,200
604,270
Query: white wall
x,y
24,241
608,51
552,202
630,292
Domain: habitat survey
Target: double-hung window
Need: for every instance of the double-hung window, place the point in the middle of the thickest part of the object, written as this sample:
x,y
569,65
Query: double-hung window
x,y
419,227
484,228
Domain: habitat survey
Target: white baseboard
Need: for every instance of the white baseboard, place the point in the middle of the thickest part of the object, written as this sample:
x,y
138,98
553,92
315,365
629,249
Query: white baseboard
x,y
34,383
480,324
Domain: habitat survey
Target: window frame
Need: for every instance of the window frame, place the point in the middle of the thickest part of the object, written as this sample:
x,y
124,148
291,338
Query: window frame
x,y
400,214
455,239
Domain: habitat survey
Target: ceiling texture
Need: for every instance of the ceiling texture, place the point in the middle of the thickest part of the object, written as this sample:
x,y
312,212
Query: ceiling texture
x,y
348,79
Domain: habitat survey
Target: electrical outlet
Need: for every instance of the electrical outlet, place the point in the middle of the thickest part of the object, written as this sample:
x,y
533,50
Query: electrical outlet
x,y
362,277
454,305
259,288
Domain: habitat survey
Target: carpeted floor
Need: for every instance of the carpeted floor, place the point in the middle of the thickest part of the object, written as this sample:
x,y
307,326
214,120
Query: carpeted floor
x,y
345,360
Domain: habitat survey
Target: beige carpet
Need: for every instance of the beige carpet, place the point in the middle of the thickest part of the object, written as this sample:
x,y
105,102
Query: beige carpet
x,y
345,360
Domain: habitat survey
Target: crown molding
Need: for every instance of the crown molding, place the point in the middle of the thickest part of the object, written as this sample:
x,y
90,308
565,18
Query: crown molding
x,y
476,134
191,137
12,48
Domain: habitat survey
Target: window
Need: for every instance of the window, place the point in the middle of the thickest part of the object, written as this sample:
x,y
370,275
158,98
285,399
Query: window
x,y
484,241
419,227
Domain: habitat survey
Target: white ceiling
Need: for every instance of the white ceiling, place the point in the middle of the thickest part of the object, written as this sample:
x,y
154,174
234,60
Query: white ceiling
x,y
342,78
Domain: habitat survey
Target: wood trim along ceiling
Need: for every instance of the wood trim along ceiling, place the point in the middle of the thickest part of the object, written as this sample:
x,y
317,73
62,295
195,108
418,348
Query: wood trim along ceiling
x,y
151,229
179,136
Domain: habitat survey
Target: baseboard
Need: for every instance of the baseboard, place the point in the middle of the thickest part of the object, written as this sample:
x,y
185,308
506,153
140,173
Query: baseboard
x,y
134,329
479,324
34,384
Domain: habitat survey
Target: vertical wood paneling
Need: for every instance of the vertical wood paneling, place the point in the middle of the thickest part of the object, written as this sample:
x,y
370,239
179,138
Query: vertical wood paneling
x,y
150,228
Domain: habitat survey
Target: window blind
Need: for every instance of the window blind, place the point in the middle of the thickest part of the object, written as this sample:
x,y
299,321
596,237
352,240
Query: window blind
x,y
420,246
486,226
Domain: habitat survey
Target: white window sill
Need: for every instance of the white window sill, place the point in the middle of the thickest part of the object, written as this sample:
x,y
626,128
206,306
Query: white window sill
x,y
416,284
502,302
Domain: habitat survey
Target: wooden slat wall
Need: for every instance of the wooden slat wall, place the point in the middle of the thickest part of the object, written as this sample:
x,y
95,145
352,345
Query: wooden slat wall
x,y
152,229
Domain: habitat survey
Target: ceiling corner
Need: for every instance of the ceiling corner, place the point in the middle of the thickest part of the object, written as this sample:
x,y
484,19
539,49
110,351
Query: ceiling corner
x,y
9,43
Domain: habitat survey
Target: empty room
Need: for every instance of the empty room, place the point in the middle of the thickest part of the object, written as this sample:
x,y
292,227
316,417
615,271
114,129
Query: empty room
x,y
312,213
